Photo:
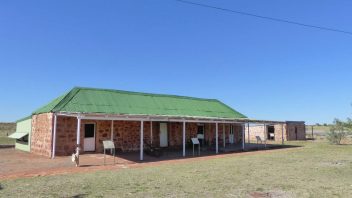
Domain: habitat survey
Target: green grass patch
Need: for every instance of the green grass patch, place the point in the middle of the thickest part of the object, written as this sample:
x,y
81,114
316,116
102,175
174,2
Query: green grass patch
x,y
7,141
317,169
5,130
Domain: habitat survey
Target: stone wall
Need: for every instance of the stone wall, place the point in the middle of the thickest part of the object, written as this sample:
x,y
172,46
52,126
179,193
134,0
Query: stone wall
x,y
278,132
126,134
254,131
41,136
288,131
258,130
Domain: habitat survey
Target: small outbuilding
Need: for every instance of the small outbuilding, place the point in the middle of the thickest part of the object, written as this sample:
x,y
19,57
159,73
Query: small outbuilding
x,y
287,131
23,134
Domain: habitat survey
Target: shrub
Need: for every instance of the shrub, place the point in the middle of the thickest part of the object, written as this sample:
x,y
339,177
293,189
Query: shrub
x,y
335,137
337,131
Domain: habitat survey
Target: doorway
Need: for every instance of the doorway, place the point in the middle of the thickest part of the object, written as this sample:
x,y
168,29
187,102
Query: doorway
x,y
271,133
163,135
231,135
200,134
89,137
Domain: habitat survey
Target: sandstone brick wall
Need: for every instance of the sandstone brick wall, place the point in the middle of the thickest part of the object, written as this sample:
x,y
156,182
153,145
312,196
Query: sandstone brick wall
x,y
66,135
126,134
175,133
278,132
41,135
258,130
289,132
210,132
254,131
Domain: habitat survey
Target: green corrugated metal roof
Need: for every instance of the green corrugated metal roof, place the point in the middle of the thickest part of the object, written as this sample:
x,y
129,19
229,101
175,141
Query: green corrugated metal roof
x,y
25,118
91,100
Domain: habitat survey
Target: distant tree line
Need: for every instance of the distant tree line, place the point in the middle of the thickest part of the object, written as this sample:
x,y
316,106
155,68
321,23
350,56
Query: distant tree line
x,y
324,124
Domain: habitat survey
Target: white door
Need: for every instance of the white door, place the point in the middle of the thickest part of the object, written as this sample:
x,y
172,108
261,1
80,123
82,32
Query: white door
x,y
89,137
163,135
231,136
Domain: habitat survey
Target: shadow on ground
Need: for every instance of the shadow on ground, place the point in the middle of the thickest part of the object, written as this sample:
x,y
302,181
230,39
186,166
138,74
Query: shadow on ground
x,y
176,154
80,196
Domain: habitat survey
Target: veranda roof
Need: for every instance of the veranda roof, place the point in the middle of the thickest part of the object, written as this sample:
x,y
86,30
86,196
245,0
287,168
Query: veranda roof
x,y
106,101
18,135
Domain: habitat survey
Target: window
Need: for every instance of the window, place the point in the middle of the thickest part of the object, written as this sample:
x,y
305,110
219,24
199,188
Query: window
x,y
200,133
23,140
271,133
231,129
200,129
89,130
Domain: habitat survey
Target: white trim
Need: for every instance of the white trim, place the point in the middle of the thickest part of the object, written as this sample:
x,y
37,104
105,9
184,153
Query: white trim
x,y
249,138
141,142
216,138
163,137
223,136
265,134
151,133
84,135
184,139
165,118
88,117
232,135
54,136
243,136
139,117
147,117
112,130
78,137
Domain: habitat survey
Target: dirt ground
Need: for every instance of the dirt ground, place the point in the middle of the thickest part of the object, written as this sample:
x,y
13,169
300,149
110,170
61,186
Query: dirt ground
x,y
18,164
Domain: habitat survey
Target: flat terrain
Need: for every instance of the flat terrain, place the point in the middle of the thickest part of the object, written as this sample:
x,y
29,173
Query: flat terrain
x,y
318,131
5,130
6,141
316,169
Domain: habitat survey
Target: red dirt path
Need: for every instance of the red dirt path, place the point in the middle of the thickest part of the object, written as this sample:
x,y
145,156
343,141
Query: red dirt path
x,y
17,164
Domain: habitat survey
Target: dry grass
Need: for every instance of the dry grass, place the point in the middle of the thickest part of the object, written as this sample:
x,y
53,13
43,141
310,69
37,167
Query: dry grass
x,y
6,141
6,129
317,169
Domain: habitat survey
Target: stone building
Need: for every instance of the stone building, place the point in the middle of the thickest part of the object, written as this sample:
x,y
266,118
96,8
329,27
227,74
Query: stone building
x,y
287,131
84,117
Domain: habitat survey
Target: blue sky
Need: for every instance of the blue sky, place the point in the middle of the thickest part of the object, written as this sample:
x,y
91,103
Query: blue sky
x,y
263,69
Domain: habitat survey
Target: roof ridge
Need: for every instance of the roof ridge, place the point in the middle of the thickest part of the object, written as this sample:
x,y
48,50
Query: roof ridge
x,y
90,100
230,108
66,99
144,93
